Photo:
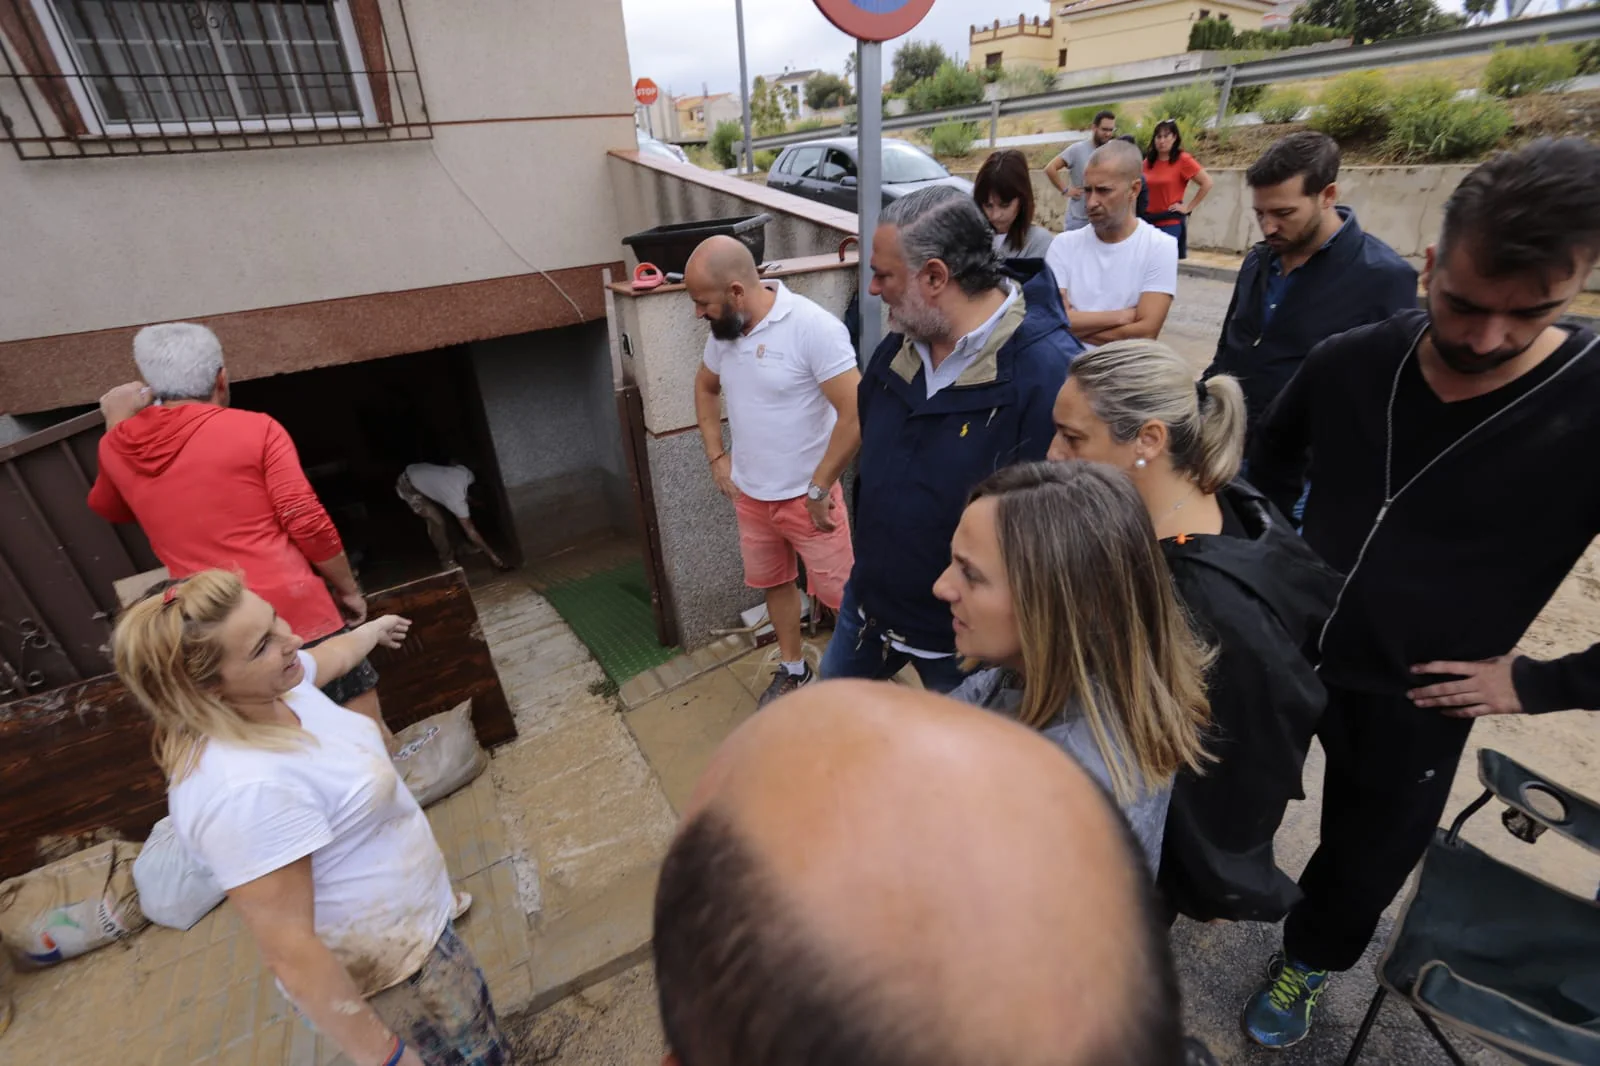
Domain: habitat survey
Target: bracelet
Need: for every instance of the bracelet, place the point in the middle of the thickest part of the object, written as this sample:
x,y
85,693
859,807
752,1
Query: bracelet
x,y
714,458
394,1056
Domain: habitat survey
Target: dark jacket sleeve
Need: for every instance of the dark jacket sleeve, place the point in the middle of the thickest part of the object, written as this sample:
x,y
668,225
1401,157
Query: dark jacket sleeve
x,y
1281,440
1570,683
1227,319
1036,422
1398,292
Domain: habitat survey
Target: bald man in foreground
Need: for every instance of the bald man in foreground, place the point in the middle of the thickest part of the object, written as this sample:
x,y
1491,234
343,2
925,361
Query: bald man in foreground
x,y
1117,275
789,375
871,875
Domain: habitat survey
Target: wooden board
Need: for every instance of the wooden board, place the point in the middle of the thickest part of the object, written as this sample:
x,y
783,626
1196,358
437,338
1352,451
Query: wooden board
x,y
75,762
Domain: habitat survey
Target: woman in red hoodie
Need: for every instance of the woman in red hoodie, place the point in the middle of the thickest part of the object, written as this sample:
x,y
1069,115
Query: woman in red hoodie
x,y
216,488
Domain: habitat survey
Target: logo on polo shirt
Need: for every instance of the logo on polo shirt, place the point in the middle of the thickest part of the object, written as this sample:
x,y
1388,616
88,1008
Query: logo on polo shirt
x,y
761,351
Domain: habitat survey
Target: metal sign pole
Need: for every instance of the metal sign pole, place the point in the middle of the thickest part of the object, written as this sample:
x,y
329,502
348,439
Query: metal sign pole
x,y
869,181
748,164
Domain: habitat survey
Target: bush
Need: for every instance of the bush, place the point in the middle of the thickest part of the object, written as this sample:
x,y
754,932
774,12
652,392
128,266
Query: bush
x,y
952,138
952,86
1537,68
1282,105
1428,122
1588,56
1192,105
765,158
1353,105
824,91
1080,118
1243,99
1210,34
721,143
806,124
1027,81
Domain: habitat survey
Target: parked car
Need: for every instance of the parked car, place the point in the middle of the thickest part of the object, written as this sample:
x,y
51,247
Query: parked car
x,y
825,171
648,145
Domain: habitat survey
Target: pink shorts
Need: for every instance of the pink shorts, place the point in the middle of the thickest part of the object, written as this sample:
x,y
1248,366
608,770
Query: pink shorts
x,y
772,533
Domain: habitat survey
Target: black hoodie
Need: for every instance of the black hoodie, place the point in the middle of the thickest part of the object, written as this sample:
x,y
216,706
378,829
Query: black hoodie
x,y
1259,598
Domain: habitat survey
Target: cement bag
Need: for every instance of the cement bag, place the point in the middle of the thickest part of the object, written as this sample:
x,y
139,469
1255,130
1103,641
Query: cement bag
x,y
72,906
175,888
439,755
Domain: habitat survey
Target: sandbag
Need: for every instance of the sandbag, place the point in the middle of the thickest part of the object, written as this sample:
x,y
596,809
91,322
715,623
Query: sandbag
x,y
439,755
175,888
72,906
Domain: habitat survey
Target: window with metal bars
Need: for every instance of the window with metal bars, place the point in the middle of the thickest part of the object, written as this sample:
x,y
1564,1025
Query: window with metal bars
x,y
155,67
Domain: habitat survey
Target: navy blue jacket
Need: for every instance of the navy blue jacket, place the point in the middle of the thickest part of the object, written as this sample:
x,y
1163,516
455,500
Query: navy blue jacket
x,y
1355,281
921,457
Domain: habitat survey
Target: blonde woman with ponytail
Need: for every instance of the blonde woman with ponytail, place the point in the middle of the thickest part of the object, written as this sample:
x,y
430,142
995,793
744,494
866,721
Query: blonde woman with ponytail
x,y
1253,591
1056,585
293,804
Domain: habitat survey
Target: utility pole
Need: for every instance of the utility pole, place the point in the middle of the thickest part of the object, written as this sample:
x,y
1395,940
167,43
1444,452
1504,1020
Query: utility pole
x,y
869,187
744,90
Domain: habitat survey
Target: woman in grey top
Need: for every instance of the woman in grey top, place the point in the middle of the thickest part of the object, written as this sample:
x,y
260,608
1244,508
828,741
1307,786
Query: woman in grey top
x,y
1057,585
1004,190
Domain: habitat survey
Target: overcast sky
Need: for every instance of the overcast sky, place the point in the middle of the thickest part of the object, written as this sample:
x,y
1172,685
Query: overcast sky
x,y
681,44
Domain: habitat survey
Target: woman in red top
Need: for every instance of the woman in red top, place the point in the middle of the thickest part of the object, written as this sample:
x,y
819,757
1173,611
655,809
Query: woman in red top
x,y
1168,170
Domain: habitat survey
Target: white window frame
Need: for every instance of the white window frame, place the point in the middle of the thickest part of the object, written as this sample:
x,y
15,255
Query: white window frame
x,y
99,125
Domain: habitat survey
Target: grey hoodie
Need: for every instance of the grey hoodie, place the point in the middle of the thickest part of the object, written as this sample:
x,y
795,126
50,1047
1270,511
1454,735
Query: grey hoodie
x,y
996,690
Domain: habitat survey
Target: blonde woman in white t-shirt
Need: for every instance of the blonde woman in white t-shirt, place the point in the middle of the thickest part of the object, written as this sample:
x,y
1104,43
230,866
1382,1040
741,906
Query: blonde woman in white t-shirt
x,y
294,805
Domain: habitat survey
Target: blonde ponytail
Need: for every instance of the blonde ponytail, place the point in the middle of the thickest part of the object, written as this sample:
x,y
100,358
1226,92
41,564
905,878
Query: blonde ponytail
x,y
1130,384
168,653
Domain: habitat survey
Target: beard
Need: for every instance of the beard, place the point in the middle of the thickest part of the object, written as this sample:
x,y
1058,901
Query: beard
x,y
727,326
1463,360
1298,243
917,320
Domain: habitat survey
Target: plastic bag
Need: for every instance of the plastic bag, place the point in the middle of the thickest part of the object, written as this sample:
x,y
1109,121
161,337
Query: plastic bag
x,y
175,888
439,755
72,906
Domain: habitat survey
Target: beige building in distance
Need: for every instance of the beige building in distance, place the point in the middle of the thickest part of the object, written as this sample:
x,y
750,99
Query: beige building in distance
x,y
1102,33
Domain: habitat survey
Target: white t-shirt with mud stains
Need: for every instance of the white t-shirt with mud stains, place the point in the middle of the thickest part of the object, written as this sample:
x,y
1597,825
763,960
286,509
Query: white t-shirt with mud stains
x,y
382,892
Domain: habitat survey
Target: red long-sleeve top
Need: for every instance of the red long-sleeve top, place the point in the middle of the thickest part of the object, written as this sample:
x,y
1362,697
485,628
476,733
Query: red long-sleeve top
x,y
213,487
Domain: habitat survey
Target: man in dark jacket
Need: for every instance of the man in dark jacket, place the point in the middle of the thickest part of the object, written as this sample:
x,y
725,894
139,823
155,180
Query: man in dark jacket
x,y
964,387
1314,274
1446,452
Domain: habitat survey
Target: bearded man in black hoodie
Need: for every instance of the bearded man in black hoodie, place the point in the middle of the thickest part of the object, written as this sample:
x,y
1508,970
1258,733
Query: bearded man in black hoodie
x,y
1441,449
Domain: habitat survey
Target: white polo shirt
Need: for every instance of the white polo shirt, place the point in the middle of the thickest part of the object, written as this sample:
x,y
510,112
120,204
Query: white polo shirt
x,y
1110,277
772,381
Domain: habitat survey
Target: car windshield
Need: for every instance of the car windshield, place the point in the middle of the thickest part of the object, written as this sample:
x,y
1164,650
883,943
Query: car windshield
x,y
903,163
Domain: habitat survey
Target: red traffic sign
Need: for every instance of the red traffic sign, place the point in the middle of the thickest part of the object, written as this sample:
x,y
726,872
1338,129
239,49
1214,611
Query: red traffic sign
x,y
875,20
645,91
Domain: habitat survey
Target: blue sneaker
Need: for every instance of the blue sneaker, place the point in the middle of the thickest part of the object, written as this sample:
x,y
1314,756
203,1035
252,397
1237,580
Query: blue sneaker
x,y
1279,1014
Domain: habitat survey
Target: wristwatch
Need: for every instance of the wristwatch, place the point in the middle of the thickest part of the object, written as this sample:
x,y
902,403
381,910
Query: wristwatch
x,y
816,493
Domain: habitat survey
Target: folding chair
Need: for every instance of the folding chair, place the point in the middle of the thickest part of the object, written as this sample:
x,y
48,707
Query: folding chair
x,y
1493,951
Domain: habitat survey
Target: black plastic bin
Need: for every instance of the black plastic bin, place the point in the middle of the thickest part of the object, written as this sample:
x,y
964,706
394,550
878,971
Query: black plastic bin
x,y
669,247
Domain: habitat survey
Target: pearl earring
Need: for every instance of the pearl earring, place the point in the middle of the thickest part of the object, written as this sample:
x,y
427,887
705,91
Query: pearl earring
x,y
1140,463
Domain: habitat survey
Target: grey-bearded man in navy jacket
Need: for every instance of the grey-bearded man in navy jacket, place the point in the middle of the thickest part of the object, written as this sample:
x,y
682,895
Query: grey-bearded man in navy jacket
x,y
964,386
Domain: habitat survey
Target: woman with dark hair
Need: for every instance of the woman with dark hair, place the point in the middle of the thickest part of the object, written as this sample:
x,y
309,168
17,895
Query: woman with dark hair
x,y
1056,584
1168,170
1004,189
1253,590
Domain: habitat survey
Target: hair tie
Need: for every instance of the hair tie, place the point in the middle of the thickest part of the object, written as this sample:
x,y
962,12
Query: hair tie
x,y
1201,392
169,597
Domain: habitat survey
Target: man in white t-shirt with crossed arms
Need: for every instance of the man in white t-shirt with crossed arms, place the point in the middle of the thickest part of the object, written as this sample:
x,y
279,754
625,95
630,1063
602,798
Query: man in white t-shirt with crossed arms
x,y
789,375
1117,275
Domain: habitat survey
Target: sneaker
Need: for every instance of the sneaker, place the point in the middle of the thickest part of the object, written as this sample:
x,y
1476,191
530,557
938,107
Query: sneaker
x,y
784,683
1279,1014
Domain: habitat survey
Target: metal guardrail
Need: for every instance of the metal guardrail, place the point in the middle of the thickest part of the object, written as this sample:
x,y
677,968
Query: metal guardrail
x,y
1556,29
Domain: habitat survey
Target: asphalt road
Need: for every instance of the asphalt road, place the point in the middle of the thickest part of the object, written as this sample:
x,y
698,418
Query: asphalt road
x,y
1195,320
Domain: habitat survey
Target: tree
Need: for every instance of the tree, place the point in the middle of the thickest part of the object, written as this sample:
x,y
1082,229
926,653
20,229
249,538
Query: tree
x,y
825,90
768,108
1478,10
1378,20
917,61
727,134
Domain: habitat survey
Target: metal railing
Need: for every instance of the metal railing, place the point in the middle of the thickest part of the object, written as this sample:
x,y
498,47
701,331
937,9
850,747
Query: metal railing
x,y
82,78
1556,29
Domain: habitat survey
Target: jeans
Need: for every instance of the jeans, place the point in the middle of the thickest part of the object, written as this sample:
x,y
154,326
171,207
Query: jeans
x,y
860,648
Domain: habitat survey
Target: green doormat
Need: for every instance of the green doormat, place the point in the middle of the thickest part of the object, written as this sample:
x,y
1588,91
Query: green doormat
x,y
610,612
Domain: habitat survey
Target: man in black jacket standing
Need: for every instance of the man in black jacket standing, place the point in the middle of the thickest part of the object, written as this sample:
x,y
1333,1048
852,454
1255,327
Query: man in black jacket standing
x,y
1315,273
1447,451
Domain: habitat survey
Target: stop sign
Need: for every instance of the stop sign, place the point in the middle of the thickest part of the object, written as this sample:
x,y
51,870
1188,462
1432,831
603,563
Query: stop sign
x,y
645,91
